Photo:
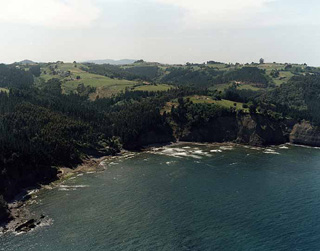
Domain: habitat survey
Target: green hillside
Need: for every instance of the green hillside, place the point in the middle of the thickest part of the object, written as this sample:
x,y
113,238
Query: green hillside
x,y
107,80
72,75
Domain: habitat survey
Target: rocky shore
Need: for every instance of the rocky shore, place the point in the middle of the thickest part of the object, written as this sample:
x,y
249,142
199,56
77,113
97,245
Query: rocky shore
x,y
16,216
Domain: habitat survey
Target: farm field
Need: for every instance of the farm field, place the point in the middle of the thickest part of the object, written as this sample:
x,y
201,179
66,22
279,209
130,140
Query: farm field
x,y
153,88
105,86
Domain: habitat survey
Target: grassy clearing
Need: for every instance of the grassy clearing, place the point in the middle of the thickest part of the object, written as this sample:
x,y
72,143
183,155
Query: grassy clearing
x,y
207,100
284,77
270,66
248,87
94,80
153,88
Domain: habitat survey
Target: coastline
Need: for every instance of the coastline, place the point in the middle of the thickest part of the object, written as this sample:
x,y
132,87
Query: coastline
x,y
23,221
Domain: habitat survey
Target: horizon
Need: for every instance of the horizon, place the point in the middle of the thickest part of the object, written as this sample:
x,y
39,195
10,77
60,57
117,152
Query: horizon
x,y
163,63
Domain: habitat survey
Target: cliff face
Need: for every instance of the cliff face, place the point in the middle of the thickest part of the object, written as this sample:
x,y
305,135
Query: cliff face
x,y
254,129
222,129
259,130
305,134
4,212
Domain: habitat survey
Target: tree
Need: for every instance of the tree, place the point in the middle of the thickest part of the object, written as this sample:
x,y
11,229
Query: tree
x,y
252,108
275,73
261,61
35,70
53,86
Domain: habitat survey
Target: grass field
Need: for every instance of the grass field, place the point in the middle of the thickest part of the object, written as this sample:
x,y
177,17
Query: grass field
x,y
207,100
153,88
270,66
249,87
284,77
105,86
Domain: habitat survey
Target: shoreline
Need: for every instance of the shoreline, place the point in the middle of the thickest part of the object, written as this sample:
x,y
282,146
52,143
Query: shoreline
x,y
23,221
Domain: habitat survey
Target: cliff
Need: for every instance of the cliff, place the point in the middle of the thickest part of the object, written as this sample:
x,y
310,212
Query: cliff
x,y
221,129
305,134
259,130
252,129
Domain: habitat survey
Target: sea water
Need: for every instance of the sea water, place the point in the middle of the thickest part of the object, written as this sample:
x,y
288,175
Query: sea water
x,y
185,197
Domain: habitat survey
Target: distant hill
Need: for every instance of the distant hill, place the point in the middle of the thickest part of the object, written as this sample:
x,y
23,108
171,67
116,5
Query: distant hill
x,y
111,61
26,61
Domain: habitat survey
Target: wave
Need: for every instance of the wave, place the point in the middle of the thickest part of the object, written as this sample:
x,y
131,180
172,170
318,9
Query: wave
x,y
228,148
184,152
71,187
75,186
216,151
270,151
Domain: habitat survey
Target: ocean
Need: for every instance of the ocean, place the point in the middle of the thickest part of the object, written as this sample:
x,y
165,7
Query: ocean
x,y
185,197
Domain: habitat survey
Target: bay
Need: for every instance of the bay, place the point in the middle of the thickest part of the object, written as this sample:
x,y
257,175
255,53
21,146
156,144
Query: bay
x,y
185,197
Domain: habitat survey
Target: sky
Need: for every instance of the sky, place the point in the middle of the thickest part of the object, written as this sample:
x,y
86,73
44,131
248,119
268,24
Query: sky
x,y
166,31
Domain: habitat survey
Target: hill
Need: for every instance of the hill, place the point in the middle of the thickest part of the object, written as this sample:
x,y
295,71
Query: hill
x,y
98,80
108,79
26,62
111,61
74,78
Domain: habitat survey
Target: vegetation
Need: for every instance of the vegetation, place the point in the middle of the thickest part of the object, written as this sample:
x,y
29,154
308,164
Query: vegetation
x,y
299,98
56,114
152,88
41,128
248,75
12,77
188,114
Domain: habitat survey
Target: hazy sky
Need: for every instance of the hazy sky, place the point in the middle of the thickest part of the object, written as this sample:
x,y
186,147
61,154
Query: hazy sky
x,y
168,31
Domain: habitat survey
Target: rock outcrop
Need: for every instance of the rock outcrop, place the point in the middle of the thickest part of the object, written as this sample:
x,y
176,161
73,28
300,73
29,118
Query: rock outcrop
x,y
259,130
305,134
221,129
252,129
13,182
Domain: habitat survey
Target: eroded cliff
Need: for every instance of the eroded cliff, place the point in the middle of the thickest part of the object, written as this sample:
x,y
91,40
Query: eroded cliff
x,y
252,129
305,134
